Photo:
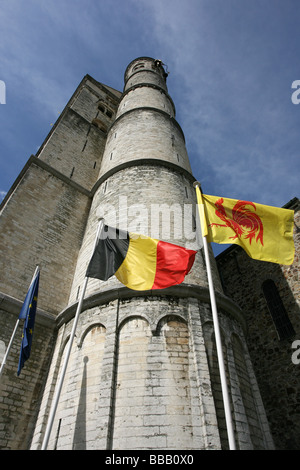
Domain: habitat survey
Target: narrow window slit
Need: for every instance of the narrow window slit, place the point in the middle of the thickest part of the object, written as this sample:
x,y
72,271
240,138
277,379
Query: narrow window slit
x,y
84,146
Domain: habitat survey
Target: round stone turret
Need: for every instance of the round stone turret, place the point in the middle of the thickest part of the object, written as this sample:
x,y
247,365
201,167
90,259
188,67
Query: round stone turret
x,y
143,372
138,72
145,179
145,127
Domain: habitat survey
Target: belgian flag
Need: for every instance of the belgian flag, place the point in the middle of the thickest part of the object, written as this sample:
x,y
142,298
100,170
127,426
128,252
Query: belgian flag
x,y
139,262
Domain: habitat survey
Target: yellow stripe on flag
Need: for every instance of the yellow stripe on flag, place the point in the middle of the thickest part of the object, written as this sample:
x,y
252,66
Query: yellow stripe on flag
x,y
139,266
264,232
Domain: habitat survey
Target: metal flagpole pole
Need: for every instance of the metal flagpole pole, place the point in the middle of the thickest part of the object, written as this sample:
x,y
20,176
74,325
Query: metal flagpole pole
x,y
68,352
9,346
224,387
15,330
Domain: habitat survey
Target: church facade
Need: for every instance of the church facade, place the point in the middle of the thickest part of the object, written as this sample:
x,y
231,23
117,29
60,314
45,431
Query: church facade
x,y
143,370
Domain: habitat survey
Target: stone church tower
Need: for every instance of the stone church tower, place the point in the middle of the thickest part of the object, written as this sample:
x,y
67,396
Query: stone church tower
x,y
143,370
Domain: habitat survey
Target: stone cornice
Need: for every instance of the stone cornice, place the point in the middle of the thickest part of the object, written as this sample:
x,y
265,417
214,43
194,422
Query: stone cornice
x,y
150,85
152,109
13,305
183,291
33,160
141,162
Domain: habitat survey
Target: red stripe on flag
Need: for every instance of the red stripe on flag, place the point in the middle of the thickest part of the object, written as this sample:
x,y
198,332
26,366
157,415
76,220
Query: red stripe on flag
x,y
172,264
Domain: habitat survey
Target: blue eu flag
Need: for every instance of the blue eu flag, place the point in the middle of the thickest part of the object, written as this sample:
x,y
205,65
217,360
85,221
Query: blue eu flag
x,y
27,313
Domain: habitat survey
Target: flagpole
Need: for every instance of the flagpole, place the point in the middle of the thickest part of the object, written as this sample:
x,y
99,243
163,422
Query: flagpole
x,y
68,352
9,346
15,330
228,416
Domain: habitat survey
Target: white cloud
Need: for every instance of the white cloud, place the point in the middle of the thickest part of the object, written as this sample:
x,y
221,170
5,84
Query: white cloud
x,y
230,76
231,89
2,195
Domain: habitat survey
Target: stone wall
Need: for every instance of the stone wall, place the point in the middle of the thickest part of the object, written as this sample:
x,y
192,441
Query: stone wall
x,y
133,210
156,137
76,143
278,377
142,372
143,375
42,223
20,395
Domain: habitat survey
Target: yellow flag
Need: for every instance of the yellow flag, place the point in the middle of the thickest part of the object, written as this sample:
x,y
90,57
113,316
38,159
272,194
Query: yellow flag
x,y
200,202
264,232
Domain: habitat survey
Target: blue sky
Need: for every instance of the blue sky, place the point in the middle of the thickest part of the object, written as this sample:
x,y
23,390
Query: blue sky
x,y
231,62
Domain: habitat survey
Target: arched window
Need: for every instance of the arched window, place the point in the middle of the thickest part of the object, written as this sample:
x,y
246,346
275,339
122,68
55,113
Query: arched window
x,y
276,308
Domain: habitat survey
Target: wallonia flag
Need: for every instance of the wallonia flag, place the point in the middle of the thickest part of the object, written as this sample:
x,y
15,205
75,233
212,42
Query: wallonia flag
x,y
139,262
264,232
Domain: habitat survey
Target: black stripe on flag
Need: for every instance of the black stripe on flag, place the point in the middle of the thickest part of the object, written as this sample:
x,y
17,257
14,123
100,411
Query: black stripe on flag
x,y
109,253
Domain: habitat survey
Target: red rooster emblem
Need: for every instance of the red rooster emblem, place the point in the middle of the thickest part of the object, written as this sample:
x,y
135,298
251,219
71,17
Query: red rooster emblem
x,y
244,221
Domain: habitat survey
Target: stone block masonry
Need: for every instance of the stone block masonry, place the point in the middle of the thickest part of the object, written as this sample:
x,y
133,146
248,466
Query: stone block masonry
x,y
143,375
142,372
142,392
42,224
278,378
156,388
76,143
131,216
157,138
20,396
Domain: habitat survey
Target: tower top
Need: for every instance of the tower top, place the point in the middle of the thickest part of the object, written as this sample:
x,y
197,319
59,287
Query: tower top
x,y
145,63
